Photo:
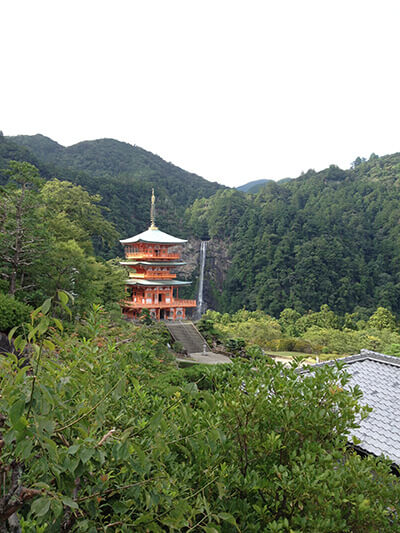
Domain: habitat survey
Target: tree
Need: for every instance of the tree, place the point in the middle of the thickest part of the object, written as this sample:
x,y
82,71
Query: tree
x,y
382,319
75,214
21,235
288,319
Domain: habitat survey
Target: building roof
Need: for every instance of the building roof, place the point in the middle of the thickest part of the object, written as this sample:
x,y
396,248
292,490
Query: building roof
x,y
153,236
378,377
151,283
153,263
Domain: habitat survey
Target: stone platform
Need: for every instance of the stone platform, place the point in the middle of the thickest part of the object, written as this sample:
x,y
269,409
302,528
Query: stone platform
x,y
204,358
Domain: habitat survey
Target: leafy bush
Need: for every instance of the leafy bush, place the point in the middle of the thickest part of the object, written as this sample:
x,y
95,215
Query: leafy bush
x,y
350,341
291,345
394,349
178,347
12,312
301,345
107,432
382,319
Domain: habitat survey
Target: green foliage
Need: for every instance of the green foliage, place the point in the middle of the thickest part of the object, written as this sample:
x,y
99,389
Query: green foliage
x,y
21,230
312,333
293,345
302,482
100,430
288,319
252,328
46,240
328,237
123,175
12,312
76,214
382,319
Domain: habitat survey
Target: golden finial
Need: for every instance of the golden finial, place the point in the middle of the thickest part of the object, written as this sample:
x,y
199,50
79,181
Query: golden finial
x,y
153,211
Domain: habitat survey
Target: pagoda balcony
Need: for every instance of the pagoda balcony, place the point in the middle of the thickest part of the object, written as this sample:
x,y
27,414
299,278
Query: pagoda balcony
x,y
159,305
153,275
151,255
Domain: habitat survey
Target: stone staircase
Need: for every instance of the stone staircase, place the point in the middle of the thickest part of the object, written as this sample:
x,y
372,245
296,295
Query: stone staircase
x,y
189,336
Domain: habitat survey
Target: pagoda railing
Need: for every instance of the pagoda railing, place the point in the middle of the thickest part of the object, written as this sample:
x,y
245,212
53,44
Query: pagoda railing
x,y
152,275
151,255
160,305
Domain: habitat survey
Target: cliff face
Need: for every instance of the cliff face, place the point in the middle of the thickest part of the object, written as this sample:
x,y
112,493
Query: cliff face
x,y
215,270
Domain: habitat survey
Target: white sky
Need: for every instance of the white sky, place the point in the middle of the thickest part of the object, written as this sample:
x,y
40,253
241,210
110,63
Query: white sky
x,y
231,90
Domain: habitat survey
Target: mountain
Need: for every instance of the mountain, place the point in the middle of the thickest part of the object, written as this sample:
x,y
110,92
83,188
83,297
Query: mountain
x,y
123,175
11,151
329,237
253,187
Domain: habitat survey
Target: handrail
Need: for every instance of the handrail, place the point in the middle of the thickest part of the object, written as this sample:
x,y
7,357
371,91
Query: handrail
x,y
174,303
151,275
139,255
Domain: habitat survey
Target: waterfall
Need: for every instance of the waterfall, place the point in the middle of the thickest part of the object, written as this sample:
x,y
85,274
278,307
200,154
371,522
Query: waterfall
x,y
200,301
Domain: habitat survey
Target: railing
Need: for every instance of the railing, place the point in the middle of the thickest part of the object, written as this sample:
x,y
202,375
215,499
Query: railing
x,y
151,255
153,275
162,305
182,303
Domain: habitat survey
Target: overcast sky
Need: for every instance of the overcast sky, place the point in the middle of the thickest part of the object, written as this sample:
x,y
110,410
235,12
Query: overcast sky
x,y
231,90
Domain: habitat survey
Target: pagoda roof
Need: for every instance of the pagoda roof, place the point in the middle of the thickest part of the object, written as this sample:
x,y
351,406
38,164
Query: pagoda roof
x,y
153,263
148,283
153,236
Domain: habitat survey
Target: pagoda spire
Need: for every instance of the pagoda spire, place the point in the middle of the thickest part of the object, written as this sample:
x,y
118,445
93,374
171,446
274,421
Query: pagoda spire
x,y
153,211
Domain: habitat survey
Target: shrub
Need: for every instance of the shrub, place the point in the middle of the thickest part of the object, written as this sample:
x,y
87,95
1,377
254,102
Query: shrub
x,y
12,312
292,345
178,347
301,345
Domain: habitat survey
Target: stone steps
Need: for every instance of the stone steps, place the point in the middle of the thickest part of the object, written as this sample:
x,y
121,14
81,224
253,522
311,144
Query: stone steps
x,y
189,336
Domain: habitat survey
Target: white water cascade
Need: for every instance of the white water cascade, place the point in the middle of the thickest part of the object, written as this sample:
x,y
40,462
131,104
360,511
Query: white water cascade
x,y
200,300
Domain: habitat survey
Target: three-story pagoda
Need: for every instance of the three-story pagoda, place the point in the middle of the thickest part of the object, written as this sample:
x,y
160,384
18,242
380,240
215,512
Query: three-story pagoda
x,y
151,256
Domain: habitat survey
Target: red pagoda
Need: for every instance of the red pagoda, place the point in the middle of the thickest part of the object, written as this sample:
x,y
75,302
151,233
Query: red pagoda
x,y
150,257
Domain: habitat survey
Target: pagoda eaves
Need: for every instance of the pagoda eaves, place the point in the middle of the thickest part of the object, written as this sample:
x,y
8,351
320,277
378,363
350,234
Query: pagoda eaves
x,y
150,284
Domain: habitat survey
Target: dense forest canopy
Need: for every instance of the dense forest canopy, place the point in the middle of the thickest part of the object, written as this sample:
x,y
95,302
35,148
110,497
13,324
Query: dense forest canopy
x,y
123,175
327,237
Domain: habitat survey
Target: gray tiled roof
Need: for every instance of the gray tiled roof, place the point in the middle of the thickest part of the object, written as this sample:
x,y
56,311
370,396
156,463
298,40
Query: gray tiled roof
x,y
378,376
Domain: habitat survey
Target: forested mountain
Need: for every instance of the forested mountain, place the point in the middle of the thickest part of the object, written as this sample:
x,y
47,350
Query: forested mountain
x,y
253,187
122,174
327,237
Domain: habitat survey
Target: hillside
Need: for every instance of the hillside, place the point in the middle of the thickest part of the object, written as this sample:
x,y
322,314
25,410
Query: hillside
x,y
11,151
329,237
123,175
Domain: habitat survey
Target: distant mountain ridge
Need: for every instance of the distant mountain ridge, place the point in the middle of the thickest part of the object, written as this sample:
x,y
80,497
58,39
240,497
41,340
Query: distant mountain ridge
x,y
107,157
254,186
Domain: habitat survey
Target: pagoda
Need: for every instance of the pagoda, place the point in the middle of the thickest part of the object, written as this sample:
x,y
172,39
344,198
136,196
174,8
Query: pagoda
x,y
151,256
